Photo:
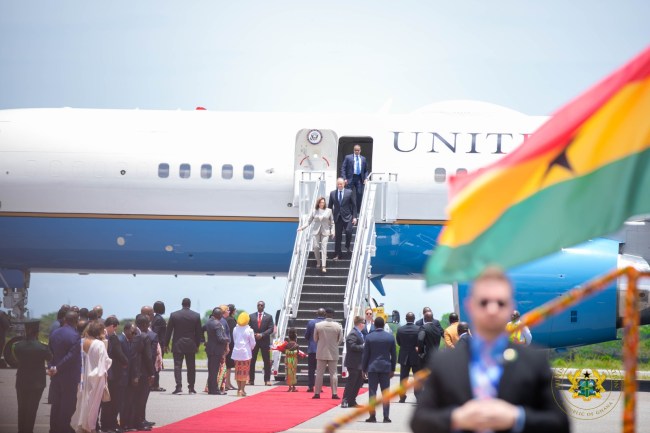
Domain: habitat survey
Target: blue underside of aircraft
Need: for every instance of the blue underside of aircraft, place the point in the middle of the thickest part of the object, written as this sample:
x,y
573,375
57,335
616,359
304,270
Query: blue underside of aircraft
x,y
259,247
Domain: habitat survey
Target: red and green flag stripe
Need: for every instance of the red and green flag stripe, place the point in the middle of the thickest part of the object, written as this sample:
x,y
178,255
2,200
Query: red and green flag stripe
x,y
581,175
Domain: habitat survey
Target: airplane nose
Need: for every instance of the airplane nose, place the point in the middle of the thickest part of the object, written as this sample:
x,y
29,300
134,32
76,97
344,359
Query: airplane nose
x,y
643,286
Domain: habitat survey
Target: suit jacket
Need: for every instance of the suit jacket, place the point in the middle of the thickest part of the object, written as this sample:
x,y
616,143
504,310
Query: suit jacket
x,y
429,339
141,362
526,382
31,356
153,343
266,329
217,340
328,335
368,328
185,326
309,334
120,367
66,354
354,350
127,349
324,224
379,352
451,335
347,209
347,168
407,338
159,326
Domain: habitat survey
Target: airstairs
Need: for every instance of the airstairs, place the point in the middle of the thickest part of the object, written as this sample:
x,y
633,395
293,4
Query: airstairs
x,y
346,285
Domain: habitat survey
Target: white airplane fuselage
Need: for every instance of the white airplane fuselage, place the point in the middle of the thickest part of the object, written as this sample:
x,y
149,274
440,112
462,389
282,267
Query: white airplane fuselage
x,y
64,170
200,192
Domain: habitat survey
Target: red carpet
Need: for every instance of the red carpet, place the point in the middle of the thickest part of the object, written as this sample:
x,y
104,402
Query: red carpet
x,y
269,411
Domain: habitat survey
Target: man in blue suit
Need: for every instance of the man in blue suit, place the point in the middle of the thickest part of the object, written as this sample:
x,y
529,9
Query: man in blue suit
x,y
65,370
379,360
344,210
354,171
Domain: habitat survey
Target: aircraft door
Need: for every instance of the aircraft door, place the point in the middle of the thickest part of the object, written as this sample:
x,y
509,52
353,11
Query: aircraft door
x,y
346,147
315,151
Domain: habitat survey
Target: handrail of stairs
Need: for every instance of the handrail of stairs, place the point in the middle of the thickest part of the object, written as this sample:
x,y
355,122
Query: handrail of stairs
x,y
357,288
311,187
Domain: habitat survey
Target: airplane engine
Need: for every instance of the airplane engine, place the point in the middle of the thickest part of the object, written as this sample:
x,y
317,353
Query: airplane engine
x,y
596,318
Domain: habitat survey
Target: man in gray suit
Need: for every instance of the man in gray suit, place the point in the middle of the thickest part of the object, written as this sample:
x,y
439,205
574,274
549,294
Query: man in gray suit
x,y
328,335
185,326
379,361
353,357
344,208
215,348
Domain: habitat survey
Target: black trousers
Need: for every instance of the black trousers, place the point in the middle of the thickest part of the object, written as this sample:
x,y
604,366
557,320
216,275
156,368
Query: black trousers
x,y
353,385
266,357
357,187
111,409
190,360
141,396
339,226
311,369
213,371
383,380
405,371
156,380
134,404
64,403
28,400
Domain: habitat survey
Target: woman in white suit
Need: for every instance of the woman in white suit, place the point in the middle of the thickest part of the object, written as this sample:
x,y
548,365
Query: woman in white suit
x,y
323,228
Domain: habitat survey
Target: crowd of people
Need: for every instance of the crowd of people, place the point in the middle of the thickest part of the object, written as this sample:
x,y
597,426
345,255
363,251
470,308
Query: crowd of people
x,y
101,380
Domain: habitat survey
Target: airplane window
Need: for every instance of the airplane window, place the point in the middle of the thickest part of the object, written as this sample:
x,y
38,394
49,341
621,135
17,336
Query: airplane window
x,y
184,171
440,175
206,171
163,170
461,171
226,171
574,316
249,172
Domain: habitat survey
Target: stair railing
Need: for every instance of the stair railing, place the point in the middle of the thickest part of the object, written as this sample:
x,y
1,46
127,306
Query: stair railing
x,y
310,188
379,203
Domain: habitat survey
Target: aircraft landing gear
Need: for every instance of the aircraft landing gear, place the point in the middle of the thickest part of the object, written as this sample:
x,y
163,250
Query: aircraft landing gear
x,y
14,299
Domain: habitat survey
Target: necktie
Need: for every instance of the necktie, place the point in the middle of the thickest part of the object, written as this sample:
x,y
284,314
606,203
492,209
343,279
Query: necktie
x,y
259,321
357,169
340,196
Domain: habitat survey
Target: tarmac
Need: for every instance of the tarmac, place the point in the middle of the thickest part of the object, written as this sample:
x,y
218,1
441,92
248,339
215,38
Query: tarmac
x,y
165,408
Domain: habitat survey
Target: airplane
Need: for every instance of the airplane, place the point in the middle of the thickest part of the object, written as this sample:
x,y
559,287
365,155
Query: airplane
x,y
214,193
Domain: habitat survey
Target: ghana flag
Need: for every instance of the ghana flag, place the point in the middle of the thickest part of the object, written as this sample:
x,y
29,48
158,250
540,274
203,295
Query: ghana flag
x,y
581,175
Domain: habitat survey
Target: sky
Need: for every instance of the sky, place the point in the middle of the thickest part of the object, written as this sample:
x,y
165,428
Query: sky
x,y
297,56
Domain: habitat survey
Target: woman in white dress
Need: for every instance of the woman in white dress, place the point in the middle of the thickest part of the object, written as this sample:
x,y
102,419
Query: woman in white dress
x,y
323,228
243,338
95,365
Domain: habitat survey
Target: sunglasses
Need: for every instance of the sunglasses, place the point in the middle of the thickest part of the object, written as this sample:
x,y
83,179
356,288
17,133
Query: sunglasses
x,y
485,302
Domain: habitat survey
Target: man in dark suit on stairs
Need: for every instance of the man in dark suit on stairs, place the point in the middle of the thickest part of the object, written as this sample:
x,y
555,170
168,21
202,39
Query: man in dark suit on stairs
x,y
262,324
355,170
185,326
344,209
